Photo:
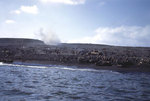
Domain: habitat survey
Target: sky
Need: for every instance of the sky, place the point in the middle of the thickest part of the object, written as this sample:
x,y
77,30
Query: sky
x,y
112,22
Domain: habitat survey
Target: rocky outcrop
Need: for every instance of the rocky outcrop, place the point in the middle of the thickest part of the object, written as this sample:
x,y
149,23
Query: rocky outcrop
x,y
99,55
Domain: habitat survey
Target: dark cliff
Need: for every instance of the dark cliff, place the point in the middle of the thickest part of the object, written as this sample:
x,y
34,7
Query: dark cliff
x,y
19,42
99,55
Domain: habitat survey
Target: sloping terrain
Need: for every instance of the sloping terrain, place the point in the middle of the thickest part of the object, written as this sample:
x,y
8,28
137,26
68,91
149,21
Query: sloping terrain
x,y
99,55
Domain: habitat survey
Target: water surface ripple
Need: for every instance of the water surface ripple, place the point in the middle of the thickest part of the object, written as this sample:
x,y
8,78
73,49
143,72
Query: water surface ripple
x,y
60,83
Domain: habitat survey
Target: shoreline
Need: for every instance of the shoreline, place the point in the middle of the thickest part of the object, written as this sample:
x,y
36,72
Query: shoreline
x,y
94,56
91,66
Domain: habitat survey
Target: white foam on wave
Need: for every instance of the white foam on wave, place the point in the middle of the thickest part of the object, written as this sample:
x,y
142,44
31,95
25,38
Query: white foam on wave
x,y
76,69
56,67
60,67
1,63
21,65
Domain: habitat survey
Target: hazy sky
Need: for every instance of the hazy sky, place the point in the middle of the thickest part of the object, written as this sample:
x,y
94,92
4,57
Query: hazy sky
x,y
115,22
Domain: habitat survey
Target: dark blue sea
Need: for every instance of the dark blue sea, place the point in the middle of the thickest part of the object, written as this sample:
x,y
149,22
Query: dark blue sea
x,y
31,82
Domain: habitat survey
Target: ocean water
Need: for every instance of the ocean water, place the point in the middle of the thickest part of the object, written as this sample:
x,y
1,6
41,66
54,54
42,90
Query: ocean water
x,y
30,82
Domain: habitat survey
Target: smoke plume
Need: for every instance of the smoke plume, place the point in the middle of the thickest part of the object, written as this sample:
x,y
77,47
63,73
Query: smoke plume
x,y
49,37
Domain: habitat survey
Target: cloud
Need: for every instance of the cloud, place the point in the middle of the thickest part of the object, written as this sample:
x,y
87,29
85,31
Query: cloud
x,y
121,36
48,37
68,2
27,9
9,21
16,11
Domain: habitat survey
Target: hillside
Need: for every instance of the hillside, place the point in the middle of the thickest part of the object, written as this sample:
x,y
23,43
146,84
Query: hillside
x,y
89,54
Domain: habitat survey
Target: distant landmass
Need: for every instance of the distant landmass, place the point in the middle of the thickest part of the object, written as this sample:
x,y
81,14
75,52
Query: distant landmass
x,y
19,42
92,55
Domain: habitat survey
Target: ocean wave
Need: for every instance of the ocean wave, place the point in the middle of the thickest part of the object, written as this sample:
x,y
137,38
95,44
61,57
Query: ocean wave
x,y
70,68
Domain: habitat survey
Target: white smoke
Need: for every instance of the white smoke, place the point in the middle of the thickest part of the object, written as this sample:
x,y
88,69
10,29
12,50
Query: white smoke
x,y
49,37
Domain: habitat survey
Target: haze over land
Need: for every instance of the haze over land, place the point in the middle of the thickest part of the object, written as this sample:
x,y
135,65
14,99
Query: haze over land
x,y
113,22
